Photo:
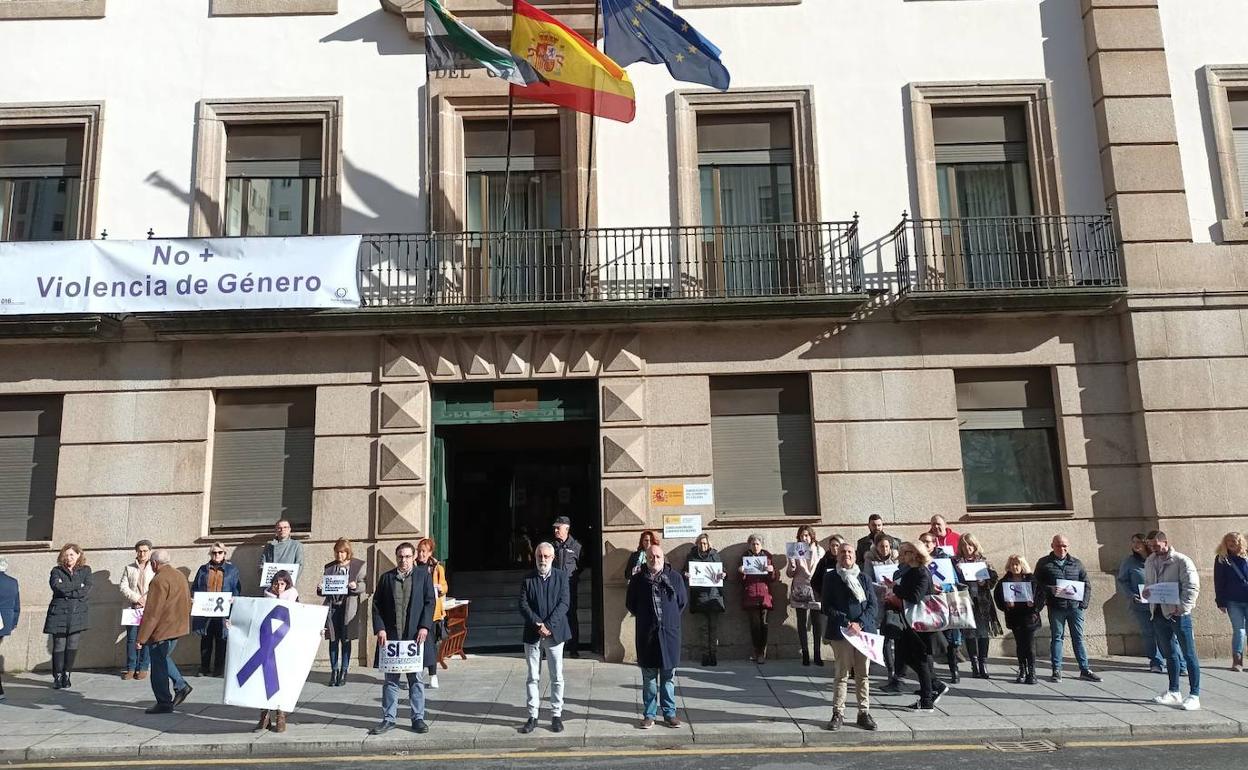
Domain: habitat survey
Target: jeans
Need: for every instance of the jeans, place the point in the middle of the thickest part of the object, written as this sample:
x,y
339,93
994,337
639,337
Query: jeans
x,y
339,654
554,667
164,671
1238,614
390,697
1170,630
136,660
1059,617
658,686
1144,619
847,658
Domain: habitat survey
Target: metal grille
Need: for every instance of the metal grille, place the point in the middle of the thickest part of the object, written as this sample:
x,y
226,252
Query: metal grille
x,y
1022,747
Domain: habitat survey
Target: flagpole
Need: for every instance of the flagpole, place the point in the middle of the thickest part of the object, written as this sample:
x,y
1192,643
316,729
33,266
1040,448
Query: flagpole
x,y
589,172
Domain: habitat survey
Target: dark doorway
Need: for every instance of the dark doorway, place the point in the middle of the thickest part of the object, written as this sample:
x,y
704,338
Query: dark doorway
x,y
509,459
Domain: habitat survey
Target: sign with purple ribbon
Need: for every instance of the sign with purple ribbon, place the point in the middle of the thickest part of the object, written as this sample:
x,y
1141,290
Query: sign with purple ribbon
x,y
270,651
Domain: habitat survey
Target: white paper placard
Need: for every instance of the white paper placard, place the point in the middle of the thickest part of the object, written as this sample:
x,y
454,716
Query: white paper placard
x,y
1069,589
403,657
943,572
706,574
270,650
1017,591
699,494
871,645
797,550
1161,593
163,275
942,552
334,585
754,565
211,604
681,526
885,574
973,570
131,617
271,568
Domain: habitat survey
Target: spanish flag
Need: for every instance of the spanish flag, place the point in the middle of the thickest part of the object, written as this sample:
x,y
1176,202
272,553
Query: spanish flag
x,y
577,75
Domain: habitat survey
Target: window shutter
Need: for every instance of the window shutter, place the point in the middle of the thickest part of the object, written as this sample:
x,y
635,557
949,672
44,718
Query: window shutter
x,y
41,152
273,150
30,429
976,135
1241,161
745,139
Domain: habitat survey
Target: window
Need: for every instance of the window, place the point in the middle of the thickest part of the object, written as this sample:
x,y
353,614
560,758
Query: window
x,y
762,448
273,179
524,268
30,441
1238,104
40,183
1008,431
262,459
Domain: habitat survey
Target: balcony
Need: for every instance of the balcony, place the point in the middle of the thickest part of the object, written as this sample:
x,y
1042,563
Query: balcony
x,y
608,275
1018,264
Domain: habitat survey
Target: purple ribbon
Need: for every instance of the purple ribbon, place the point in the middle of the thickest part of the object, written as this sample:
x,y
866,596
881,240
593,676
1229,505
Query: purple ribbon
x,y
264,657
935,570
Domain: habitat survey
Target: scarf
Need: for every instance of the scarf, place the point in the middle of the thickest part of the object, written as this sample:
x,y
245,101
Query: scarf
x,y
658,582
850,576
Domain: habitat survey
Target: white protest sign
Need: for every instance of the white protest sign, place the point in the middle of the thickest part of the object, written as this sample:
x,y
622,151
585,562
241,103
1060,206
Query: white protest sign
x,y
797,550
973,570
271,568
871,645
885,573
403,657
1069,589
270,650
943,572
699,494
1017,591
160,274
334,585
754,565
706,574
942,552
132,617
682,526
211,604
1161,593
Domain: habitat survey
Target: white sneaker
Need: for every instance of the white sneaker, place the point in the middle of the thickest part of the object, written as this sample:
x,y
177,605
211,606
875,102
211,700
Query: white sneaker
x,y
1169,699
433,682
1191,703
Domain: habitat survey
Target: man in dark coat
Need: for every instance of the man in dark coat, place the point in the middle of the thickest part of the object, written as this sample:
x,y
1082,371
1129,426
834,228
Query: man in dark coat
x,y
568,561
10,607
403,611
656,598
1063,610
544,607
875,525
850,603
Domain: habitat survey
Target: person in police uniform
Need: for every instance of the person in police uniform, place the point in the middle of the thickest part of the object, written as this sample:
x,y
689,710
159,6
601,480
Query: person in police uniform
x,y
568,561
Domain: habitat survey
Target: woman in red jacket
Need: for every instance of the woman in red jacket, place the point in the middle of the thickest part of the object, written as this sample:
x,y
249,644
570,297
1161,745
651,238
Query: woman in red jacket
x,y
756,593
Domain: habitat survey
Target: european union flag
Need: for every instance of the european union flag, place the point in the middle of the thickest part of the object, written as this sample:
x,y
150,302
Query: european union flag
x,y
646,30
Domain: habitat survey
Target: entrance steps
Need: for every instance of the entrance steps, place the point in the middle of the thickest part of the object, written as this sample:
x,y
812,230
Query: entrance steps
x,y
493,615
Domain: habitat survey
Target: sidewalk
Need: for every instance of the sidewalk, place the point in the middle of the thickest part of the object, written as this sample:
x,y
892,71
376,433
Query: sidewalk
x,y
480,706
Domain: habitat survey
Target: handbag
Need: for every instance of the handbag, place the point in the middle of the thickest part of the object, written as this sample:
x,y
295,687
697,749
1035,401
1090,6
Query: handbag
x,y
961,610
802,594
930,614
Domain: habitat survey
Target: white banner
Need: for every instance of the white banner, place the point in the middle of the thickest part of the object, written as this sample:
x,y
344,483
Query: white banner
x,y
270,650
162,275
211,604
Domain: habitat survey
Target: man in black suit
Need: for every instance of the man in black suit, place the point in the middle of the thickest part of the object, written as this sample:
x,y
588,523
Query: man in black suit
x,y
568,561
403,611
544,607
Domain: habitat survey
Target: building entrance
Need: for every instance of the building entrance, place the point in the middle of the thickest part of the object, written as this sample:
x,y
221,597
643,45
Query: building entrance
x,y
507,461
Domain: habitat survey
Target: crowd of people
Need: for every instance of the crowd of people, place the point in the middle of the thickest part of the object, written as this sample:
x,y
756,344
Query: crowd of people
x,y
837,589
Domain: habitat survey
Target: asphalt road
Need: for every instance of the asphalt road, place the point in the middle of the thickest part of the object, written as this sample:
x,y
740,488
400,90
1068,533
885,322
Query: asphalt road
x,y
1187,754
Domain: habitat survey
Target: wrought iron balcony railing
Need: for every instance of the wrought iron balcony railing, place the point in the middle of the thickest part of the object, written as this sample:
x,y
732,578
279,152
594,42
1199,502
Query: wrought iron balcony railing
x,y
1007,253
624,264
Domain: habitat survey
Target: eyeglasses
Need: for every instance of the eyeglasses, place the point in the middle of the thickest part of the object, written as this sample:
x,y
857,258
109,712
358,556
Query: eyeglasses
x,y
218,553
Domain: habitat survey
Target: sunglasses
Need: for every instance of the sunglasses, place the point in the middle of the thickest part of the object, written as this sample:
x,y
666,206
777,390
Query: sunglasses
x,y
218,553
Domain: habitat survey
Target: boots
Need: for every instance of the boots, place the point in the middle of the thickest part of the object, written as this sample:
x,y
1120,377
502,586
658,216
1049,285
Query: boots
x,y
279,724
805,657
1031,673
1022,672
263,724
70,655
1238,663
714,660
983,668
761,655
951,657
975,672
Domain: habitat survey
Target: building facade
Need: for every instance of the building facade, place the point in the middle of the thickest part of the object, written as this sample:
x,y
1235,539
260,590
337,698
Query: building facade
x,y
725,292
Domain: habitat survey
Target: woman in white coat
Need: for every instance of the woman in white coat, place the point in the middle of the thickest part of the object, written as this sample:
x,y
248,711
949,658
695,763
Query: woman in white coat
x,y
802,596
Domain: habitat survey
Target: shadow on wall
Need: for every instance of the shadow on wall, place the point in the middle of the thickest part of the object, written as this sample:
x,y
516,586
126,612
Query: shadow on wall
x,y
382,29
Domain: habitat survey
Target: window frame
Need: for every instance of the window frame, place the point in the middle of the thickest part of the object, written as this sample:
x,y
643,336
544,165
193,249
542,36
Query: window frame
x,y
59,423
1220,79
87,116
209,179
1035,99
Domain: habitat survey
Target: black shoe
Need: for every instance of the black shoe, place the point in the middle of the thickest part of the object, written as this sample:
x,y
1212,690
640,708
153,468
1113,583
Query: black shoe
x,y
892,686
865,721
1088,675
1031,677
1057,675
938,692
56,682
342,677
65,683
818,661
529,726
574,653
954,678
923,706
706,660
419,726
180,695
714,660
382,728
1021,675
556,724
836,721
805,658
159,708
